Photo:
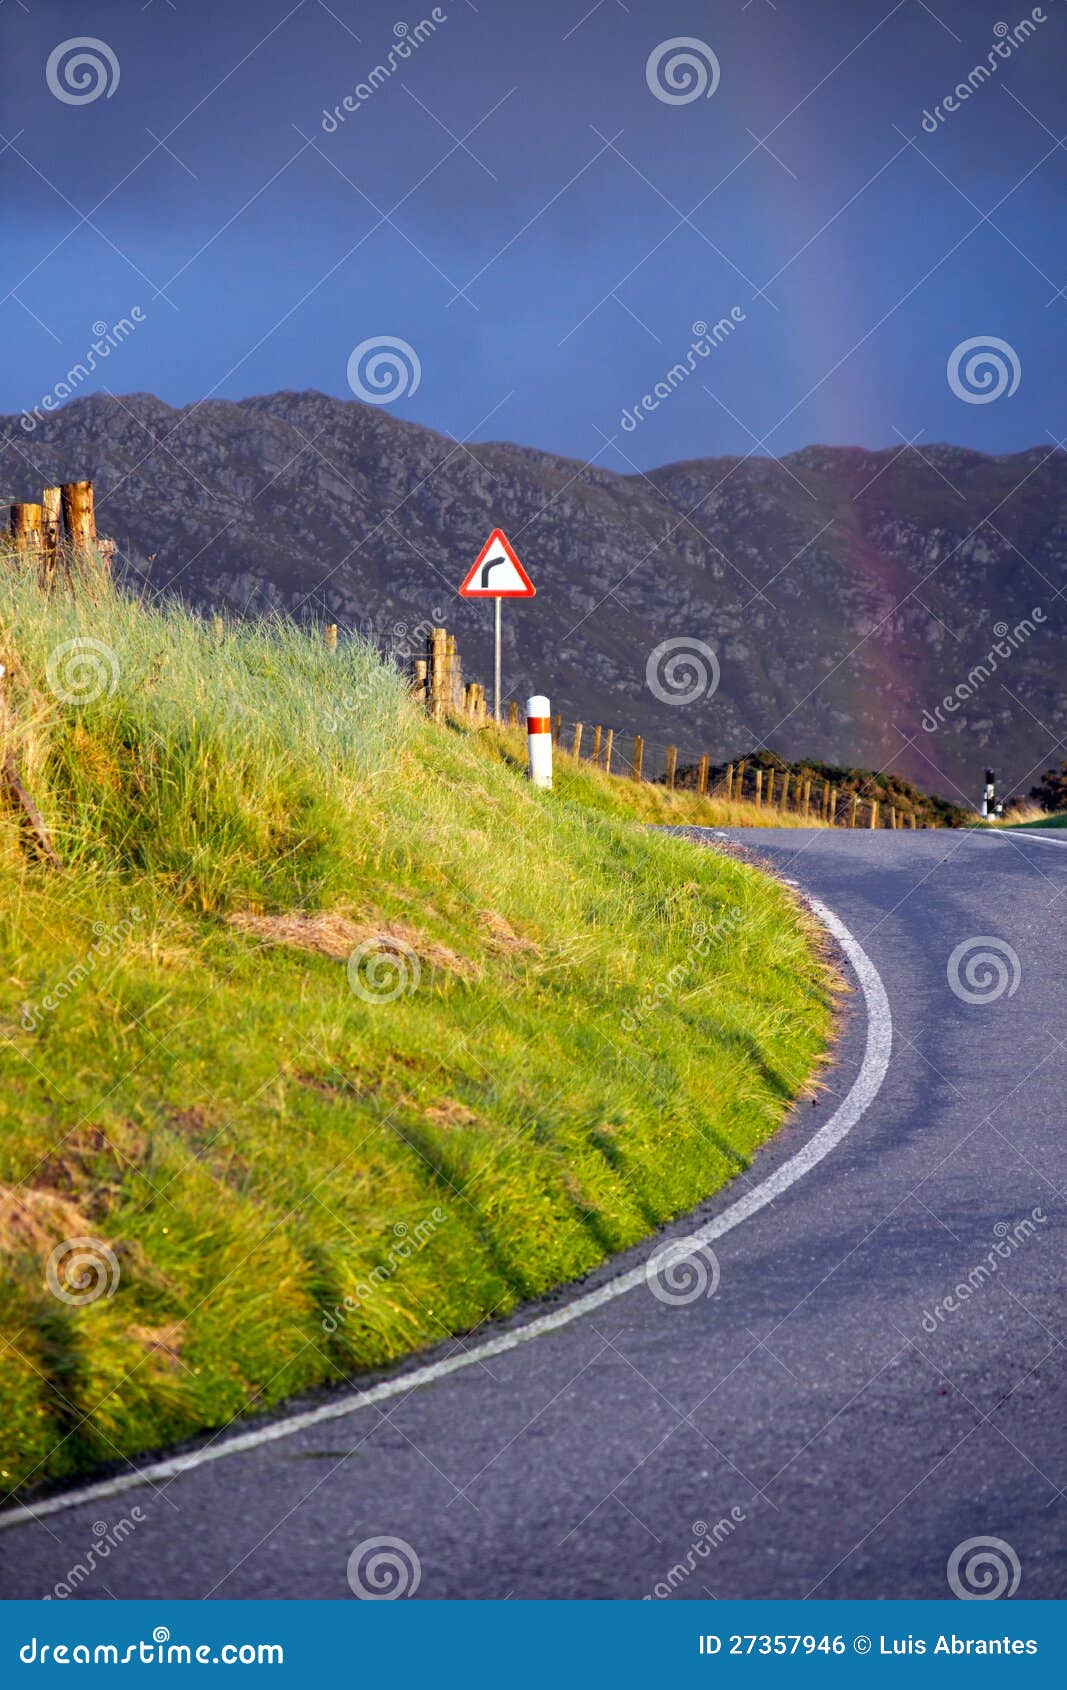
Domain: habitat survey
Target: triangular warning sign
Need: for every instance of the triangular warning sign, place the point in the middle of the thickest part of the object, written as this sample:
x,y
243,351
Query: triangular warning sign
x,y
497,573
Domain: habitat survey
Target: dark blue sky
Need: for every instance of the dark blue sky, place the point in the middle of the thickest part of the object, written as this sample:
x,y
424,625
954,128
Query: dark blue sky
x,y
279,247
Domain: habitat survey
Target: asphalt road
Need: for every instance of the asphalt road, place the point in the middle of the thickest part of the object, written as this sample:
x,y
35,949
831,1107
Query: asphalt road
x,y
823,1424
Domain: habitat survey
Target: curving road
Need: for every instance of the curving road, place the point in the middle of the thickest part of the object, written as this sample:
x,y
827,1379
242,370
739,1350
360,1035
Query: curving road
x,y
835,1420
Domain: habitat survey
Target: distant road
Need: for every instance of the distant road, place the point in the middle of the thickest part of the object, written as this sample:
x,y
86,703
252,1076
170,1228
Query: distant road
x,y
835,1420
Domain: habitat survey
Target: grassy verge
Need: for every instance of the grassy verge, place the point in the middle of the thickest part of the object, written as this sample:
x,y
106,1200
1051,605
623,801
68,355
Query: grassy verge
x,y
332,1037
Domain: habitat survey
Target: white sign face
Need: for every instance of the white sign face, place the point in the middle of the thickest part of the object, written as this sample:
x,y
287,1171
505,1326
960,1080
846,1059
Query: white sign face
x,y
497,573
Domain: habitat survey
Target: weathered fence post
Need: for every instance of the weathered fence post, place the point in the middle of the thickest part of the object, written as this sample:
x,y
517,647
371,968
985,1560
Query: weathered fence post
x,y
639,752
807,799
596,746
51,515
759,789
874,812
608,744
329,636
26,533
702,775
79,514
729,782
784,801
672,764
770,788
833,807
513,713
438,660
557,728
576,748
853,807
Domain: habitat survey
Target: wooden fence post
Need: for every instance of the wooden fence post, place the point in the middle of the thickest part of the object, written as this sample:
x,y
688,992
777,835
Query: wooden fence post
x,y
608,744
438,672
596,746
672,764
329,636
702,775
853,807
807,799
832,818
729,782
557,728
576,748
79,514
739,781
784,801
911,818
893,816
759,789
770,788
26,533
513,713
51,513
874,813
639,753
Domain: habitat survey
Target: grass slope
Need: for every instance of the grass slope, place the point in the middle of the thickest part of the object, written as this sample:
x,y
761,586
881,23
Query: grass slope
x,y
556,1029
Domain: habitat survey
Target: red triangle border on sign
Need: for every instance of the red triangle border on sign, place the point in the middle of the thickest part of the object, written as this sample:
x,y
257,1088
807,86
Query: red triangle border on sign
x,y
467,591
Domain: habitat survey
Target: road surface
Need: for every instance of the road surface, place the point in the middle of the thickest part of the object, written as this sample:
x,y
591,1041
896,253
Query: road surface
x,y
836,1419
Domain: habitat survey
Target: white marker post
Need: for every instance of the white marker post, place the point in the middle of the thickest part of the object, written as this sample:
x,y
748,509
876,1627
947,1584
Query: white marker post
x,y
539,740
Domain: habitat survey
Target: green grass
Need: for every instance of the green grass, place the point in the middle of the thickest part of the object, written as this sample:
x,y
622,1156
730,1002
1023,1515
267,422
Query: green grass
x,y
604,1023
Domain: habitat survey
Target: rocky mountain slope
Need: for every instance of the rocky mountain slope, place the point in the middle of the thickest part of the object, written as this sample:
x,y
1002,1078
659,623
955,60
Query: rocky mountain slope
x,y
844,593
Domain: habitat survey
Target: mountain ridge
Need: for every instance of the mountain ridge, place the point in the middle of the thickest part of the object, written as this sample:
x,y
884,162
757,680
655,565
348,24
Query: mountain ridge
x,y
843,590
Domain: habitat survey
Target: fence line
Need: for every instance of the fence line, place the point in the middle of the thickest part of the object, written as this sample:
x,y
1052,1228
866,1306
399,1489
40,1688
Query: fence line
x,y
437,683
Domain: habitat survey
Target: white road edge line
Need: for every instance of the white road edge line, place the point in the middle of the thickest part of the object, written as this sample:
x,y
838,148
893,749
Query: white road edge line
x,y
860,1096
1021,833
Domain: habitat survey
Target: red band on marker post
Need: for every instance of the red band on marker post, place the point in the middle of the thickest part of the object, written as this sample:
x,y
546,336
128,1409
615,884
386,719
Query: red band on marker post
x,y
538,724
